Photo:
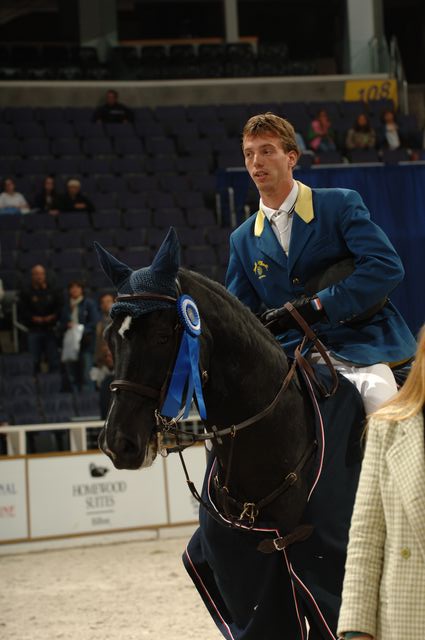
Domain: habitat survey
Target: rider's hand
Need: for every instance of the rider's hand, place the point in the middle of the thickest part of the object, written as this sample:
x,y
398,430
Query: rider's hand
x,y
281,320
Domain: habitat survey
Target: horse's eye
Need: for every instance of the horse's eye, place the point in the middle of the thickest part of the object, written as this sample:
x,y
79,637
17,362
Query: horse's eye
x,y
162,339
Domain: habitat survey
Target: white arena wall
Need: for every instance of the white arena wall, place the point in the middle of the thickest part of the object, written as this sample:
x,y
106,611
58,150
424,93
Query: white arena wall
x,y
64,499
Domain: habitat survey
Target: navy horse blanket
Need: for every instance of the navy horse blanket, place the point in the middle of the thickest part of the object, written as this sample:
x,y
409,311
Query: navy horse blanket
x,y
257,596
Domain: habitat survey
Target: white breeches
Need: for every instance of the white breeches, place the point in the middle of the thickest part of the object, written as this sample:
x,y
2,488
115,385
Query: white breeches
x,y
376,383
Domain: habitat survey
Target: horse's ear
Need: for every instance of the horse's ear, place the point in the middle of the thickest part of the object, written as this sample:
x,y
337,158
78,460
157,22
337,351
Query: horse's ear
x,y
167,260
116,271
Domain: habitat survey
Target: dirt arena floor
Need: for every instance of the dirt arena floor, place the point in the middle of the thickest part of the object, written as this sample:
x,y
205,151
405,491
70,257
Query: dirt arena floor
x,y
127,591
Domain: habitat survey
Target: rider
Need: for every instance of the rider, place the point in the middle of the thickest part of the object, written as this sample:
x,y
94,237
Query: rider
x,y
298,232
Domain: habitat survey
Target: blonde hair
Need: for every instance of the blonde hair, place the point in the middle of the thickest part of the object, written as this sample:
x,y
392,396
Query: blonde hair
x,y
271,124
411,397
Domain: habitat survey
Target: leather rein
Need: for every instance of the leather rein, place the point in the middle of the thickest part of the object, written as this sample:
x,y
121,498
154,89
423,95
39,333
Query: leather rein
x,y
247,511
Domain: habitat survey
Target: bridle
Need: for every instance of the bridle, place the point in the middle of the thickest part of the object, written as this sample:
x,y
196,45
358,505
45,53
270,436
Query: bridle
x,y
144,390
247,511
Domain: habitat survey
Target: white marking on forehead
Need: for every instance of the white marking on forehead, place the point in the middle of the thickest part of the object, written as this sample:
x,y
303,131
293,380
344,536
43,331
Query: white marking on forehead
x,y
125,326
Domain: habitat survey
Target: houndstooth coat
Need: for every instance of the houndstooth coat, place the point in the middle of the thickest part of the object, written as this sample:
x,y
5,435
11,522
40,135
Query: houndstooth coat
x,y
384,584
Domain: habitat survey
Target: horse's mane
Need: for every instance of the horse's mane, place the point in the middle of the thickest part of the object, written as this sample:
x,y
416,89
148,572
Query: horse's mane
x,y
243,320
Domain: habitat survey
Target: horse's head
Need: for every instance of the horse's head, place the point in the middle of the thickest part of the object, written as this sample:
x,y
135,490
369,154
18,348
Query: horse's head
x,y
143,341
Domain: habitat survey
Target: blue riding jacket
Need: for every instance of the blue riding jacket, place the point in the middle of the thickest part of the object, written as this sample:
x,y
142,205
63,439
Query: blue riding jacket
x,y
328,225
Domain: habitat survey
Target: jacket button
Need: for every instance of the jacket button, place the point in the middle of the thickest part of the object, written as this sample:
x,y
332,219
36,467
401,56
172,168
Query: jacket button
x,y
295,281
405,553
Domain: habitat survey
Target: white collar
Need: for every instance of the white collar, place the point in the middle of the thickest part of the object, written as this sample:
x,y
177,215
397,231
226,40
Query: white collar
x,y
286,206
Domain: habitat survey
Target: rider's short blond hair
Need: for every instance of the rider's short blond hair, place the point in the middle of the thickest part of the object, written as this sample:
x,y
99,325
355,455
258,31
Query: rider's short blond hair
x,y
271,124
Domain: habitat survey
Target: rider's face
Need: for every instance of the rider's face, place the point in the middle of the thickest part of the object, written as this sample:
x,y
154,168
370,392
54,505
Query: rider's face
x,y
268,164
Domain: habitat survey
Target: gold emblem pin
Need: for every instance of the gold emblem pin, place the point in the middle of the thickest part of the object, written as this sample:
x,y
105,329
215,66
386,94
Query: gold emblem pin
x,y
260,269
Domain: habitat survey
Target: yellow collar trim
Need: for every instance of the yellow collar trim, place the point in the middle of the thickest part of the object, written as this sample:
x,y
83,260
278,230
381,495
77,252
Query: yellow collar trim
x,y
303,208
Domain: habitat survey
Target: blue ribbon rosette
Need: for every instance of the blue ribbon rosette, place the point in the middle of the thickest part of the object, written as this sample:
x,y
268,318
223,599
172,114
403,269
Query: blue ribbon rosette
x,y
185,376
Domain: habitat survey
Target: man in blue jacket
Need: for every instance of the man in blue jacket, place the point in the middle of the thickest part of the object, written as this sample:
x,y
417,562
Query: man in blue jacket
x,y
298,232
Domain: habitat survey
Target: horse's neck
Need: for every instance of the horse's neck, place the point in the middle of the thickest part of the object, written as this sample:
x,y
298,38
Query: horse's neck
x,y
245,364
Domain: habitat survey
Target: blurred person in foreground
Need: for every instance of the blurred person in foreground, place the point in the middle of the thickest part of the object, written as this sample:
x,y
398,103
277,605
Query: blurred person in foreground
x,y
11,201
113,111
40,305
74,199
384,585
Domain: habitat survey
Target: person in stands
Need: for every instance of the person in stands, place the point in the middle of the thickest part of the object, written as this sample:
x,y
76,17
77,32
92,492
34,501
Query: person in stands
x,y
74,199
11,201
40,305
80,310
321,136
361,135
113,110
48,200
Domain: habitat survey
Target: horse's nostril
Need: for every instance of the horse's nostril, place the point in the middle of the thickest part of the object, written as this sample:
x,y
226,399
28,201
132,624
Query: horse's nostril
x,y
124,446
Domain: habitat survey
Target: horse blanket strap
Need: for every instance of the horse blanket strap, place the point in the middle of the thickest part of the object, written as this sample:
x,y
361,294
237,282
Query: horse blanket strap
x,y
299,534
140,389
125,297
251,510
302,361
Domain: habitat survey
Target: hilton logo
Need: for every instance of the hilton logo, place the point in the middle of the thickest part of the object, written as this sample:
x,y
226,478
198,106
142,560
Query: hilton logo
x,y
97,472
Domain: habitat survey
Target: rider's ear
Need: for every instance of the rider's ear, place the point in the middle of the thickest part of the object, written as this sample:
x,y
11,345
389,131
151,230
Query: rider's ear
x,y
167,260
116,271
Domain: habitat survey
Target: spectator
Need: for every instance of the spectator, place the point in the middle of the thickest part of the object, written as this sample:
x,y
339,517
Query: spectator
x,y
40,306
361,135
321,136
112,110
106,301
300,142
11,201
47,200
390,134
79,310
384,582
74,200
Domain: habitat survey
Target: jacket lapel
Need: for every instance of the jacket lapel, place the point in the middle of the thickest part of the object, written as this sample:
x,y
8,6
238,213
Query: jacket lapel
x,y
267,242
406,462
301,227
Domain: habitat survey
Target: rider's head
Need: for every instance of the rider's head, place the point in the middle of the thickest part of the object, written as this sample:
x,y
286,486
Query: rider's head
x,y
269,124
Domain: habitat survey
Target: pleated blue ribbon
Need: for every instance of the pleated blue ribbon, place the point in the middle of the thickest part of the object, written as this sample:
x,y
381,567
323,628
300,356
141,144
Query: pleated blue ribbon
x,y
185,381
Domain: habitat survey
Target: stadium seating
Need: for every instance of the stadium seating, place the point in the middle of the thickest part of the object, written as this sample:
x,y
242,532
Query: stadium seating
x,y
145,176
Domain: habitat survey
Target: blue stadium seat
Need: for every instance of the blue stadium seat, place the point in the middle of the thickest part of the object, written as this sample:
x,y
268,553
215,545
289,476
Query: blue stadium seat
x,y
97,146
63,240
126,238
128,146
201,217
26,130
38,239
59,129
66,147
137,218
167,217
73,220
106,219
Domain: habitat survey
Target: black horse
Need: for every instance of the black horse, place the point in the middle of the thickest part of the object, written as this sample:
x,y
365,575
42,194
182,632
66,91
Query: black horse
x,y
260,472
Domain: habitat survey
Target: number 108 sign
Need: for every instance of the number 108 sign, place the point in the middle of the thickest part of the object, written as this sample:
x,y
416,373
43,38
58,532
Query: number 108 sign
x,y
367,90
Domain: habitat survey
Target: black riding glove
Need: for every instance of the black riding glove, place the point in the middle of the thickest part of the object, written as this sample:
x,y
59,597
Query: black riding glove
x,y
281,320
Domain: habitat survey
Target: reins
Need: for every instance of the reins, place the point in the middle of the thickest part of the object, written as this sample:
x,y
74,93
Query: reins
x,y
246,512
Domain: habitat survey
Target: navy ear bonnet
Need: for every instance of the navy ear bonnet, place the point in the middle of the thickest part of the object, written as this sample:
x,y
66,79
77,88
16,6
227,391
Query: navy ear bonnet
x,y
159,277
